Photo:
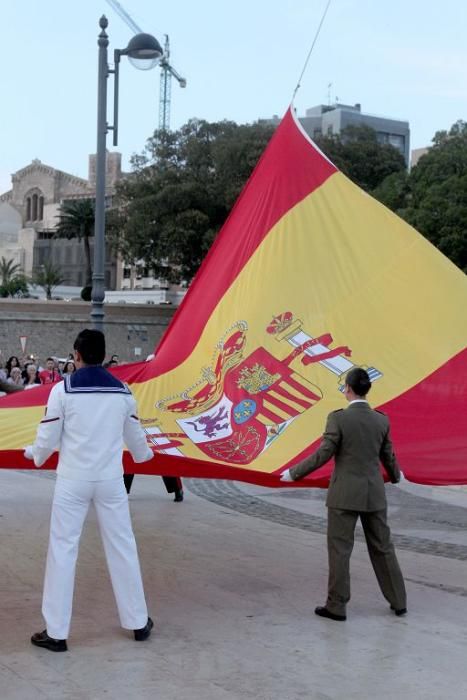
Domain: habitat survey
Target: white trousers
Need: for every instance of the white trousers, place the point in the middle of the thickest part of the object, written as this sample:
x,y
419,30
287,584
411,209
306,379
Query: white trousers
x,y
69,509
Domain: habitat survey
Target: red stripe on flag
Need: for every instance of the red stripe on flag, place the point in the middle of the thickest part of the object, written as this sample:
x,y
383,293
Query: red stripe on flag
x,y
26,399
302,389
428,428
291,397
269,415
281,405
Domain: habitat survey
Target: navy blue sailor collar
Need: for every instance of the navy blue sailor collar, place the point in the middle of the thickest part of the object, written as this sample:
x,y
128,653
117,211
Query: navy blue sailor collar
x,y
94,379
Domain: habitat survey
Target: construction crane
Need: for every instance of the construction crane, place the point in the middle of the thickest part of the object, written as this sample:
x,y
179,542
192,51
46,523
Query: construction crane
x,y
167,71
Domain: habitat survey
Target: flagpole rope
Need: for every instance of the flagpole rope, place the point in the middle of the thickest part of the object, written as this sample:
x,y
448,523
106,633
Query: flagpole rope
x,y
311,49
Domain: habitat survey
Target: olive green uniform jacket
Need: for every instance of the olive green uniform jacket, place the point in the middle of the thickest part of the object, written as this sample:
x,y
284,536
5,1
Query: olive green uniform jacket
x,y
359,440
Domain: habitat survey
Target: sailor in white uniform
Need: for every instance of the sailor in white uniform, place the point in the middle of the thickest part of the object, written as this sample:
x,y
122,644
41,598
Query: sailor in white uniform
x,y
89,418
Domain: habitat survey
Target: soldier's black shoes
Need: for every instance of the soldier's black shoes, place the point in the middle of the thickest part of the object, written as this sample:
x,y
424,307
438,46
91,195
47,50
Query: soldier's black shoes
x,y
142,634
178,496
324,612
42,639
399,611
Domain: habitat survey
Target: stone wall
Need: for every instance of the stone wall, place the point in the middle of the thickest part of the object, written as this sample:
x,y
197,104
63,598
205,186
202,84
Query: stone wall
x,y
132,330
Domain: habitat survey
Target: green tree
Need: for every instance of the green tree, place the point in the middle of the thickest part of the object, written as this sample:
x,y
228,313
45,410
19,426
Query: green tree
x,y
48,277
433,197
18,287
76,220
394,191
12,279
8,270
358,154
181,191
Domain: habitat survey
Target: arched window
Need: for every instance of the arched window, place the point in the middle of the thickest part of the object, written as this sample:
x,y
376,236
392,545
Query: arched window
x,y
34,203
34,207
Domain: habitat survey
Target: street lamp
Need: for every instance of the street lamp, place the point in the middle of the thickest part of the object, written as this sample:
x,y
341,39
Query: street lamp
x,y
144,52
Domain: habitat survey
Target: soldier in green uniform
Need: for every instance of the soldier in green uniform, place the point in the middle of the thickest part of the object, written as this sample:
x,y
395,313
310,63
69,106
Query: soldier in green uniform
x,y
358,438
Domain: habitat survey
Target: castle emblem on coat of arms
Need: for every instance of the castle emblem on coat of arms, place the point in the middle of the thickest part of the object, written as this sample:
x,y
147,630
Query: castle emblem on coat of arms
x,y
255,379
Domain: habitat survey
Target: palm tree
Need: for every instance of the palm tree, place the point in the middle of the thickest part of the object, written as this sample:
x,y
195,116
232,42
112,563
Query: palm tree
x,y
48,277
76,220
13,281
8,271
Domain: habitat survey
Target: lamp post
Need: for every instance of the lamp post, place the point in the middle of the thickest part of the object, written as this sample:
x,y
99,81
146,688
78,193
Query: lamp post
x,y
144,52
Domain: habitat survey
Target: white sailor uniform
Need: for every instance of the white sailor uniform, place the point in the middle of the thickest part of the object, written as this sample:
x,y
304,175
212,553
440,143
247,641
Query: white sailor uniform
x,y
90,415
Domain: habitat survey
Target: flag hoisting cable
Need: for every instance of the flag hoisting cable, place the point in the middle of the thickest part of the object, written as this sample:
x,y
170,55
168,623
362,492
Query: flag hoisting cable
x,y
311,49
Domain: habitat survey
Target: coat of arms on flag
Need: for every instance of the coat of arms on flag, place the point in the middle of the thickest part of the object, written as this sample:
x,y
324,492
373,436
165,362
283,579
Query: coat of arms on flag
x,y
242,405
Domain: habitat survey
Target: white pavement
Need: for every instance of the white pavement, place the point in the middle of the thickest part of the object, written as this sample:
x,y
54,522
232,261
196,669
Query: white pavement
x,y
232,597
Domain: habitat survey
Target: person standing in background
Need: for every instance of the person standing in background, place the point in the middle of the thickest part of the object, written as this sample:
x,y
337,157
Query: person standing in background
x,y
32,377
173,484
50,375
69,367
16,376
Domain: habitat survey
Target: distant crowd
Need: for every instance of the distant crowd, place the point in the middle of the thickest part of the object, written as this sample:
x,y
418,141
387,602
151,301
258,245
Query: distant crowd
x,y
29,372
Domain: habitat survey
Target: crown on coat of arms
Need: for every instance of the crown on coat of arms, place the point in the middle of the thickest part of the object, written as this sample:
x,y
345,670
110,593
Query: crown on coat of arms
x,y
284,325
280,322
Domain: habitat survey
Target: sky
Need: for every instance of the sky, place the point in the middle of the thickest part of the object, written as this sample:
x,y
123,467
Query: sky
x,y
405,59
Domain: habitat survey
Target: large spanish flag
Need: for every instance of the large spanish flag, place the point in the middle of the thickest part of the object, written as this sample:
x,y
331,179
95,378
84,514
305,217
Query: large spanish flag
x,y
309,277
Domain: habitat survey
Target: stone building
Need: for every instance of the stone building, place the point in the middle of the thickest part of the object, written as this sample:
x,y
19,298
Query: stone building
x,y
31,206
29,215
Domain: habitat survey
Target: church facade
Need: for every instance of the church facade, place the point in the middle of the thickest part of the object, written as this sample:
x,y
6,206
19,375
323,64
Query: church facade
x,y
29,213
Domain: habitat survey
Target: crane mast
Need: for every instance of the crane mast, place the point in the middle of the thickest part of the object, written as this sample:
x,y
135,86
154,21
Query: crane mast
x,y
165,93
167,71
